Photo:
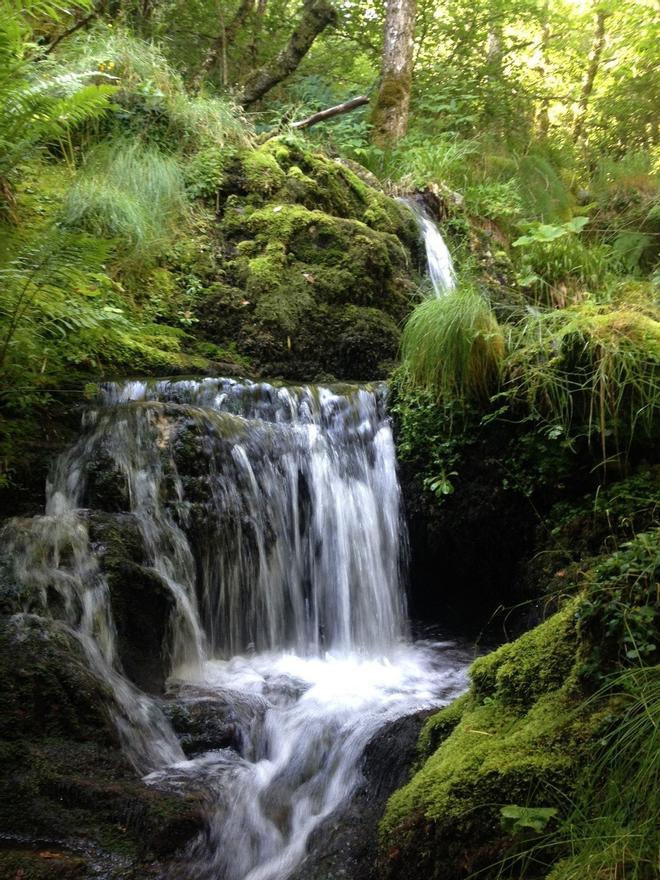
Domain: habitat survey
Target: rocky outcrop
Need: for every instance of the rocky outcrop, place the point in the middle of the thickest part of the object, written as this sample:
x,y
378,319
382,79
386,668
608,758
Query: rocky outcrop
x,y
70,804
316,269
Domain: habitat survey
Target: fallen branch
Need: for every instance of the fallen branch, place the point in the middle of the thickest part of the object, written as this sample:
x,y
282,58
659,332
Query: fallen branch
x,y
337,110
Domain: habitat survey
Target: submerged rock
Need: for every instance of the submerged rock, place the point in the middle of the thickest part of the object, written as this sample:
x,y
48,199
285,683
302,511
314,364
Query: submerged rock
x,y
346,844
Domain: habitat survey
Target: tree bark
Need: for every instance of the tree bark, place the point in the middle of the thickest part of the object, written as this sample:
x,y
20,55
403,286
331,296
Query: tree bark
x,y
337,110
218,50
590,75
390,114
316,16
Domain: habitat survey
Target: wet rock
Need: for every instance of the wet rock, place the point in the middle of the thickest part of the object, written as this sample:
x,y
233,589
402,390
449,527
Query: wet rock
x,y
203,725
346,845
141,603
46,687
208,720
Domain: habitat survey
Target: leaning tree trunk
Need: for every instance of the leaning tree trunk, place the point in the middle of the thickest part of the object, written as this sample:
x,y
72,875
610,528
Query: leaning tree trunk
x,y
390,113
590,75
316,16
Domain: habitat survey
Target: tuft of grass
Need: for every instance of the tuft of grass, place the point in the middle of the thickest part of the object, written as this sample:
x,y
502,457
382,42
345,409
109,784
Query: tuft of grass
x,y
590,370
611,831
454,346
152,93
131,194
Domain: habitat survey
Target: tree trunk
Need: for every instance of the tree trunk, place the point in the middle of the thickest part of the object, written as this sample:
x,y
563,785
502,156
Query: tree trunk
x,y
316,16
390,114
590,75
217,53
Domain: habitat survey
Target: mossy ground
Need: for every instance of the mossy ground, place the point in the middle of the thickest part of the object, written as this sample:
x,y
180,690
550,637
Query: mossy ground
x,y
529,732
516,738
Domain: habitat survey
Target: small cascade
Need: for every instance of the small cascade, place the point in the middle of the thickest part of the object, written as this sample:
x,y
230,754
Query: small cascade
x,y
270,517
53,558
439,261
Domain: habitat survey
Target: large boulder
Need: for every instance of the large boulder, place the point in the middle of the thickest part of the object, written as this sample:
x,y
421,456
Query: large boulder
x,y
317,266
70,803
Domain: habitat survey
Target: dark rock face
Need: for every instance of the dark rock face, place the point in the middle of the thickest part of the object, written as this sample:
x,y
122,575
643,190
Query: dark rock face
x,y
46,688
465,552
346,844
141,604
70,804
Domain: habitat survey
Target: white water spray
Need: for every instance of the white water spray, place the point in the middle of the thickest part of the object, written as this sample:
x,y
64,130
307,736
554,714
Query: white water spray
x,y
438,258
272,517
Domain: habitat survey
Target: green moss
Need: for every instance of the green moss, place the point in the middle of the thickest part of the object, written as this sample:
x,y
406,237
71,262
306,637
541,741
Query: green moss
x,y
518,737
305,240
263,175
541,660
439,726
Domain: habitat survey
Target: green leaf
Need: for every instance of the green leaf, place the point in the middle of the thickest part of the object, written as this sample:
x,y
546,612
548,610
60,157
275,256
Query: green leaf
x,y
515,818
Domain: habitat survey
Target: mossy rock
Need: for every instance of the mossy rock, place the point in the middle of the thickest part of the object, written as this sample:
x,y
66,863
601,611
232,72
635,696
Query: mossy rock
x,y
518,735
305,239
46,687
84,801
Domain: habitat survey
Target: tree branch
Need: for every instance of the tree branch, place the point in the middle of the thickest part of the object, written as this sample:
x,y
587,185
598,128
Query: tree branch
x,y
316,16
337,110
81,23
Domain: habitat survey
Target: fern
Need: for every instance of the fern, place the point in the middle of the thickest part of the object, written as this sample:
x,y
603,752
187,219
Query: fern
x,y
37,106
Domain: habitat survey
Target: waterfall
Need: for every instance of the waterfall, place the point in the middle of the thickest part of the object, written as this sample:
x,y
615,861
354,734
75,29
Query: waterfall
x,y
438,258
271,517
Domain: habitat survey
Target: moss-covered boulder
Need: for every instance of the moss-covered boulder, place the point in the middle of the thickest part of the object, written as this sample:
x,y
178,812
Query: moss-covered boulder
x,y
316,270
517,738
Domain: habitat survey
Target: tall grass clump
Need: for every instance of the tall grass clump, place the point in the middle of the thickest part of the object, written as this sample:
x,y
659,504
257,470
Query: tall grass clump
x,y
612,828
454,346
591,370
152,94
131,194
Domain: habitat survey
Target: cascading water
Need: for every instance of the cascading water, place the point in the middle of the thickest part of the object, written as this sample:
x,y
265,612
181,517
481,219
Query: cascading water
x,y
271,517
439,261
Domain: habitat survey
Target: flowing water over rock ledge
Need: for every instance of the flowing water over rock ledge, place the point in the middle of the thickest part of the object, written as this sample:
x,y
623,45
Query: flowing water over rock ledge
x,y
244,542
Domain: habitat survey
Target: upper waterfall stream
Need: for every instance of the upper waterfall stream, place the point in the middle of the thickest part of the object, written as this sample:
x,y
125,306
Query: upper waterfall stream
x,y
271,520
438,258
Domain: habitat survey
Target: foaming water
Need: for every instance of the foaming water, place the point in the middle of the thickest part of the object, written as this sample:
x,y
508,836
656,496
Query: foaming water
x,y
303,758
271,519
438,258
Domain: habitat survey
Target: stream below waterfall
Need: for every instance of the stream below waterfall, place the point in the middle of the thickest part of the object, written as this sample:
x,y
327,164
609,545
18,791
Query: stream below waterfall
x,y
271,519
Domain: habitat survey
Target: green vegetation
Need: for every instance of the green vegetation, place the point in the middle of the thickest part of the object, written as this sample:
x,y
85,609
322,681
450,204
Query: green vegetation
x,y
548,767
454,346
149,224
